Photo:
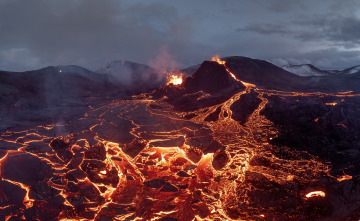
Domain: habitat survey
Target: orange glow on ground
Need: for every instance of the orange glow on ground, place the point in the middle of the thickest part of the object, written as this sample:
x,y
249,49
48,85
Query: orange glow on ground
x,y
315,193
344,177
331,104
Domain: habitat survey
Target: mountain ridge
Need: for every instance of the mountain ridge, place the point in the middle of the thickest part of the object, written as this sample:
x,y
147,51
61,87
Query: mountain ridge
x,y
305,70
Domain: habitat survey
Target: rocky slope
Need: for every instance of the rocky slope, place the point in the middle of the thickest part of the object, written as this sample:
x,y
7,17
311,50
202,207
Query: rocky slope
x,y
305,70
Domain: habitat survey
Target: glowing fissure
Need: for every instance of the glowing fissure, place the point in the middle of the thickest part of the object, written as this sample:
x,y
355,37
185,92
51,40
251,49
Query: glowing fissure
x,y
315,193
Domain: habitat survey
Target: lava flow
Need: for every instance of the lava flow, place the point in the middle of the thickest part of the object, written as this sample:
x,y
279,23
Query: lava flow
x,y
217,59
187,152
315,193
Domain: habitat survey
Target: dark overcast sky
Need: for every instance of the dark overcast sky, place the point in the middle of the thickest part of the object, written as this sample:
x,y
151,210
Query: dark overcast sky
x,y
90,33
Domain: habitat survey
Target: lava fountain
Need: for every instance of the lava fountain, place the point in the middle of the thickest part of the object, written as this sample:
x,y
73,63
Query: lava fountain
x,y
175,78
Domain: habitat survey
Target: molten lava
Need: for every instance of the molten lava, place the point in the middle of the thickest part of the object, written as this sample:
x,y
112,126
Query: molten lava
x,y
344,177
315,193
331,104
175,78
217,59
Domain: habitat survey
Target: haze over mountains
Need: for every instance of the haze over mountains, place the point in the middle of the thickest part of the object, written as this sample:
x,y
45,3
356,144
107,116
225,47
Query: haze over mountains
x,y
305,70
310,70
57,93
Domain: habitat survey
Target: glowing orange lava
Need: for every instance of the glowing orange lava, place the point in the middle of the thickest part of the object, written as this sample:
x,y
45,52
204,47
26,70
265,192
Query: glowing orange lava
x,y
344,177
331,104
175,78
315,193
217,59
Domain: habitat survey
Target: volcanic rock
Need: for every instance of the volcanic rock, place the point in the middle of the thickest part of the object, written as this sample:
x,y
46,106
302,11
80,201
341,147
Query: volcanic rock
x,y
42,191
316,127
168,187
183,174
211,78
115,133
245,106
134,148
202,209
96,152
220,160
155,183
11,193
264,74
176,142
60,144
214,116
194,154
62,148
20,168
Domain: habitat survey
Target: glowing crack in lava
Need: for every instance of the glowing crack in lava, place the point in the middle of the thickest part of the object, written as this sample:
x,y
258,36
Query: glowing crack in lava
x,y
175,78
315,193
344,177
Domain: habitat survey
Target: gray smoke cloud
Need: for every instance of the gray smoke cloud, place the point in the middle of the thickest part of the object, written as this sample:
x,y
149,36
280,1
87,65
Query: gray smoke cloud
x,y
91,33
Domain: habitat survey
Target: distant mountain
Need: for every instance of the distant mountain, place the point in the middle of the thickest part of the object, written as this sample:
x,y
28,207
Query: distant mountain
x,y
334,71
305,70
53,94
302,78
352,70
63,91
210,77
53,83
133,74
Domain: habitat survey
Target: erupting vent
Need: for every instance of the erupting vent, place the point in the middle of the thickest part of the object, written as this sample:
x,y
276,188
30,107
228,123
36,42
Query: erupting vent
x,y
175,78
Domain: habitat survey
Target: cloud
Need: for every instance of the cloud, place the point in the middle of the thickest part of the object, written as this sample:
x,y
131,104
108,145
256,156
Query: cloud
x,y
90,33
266,29
330,58
336,28
19,55
284,6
